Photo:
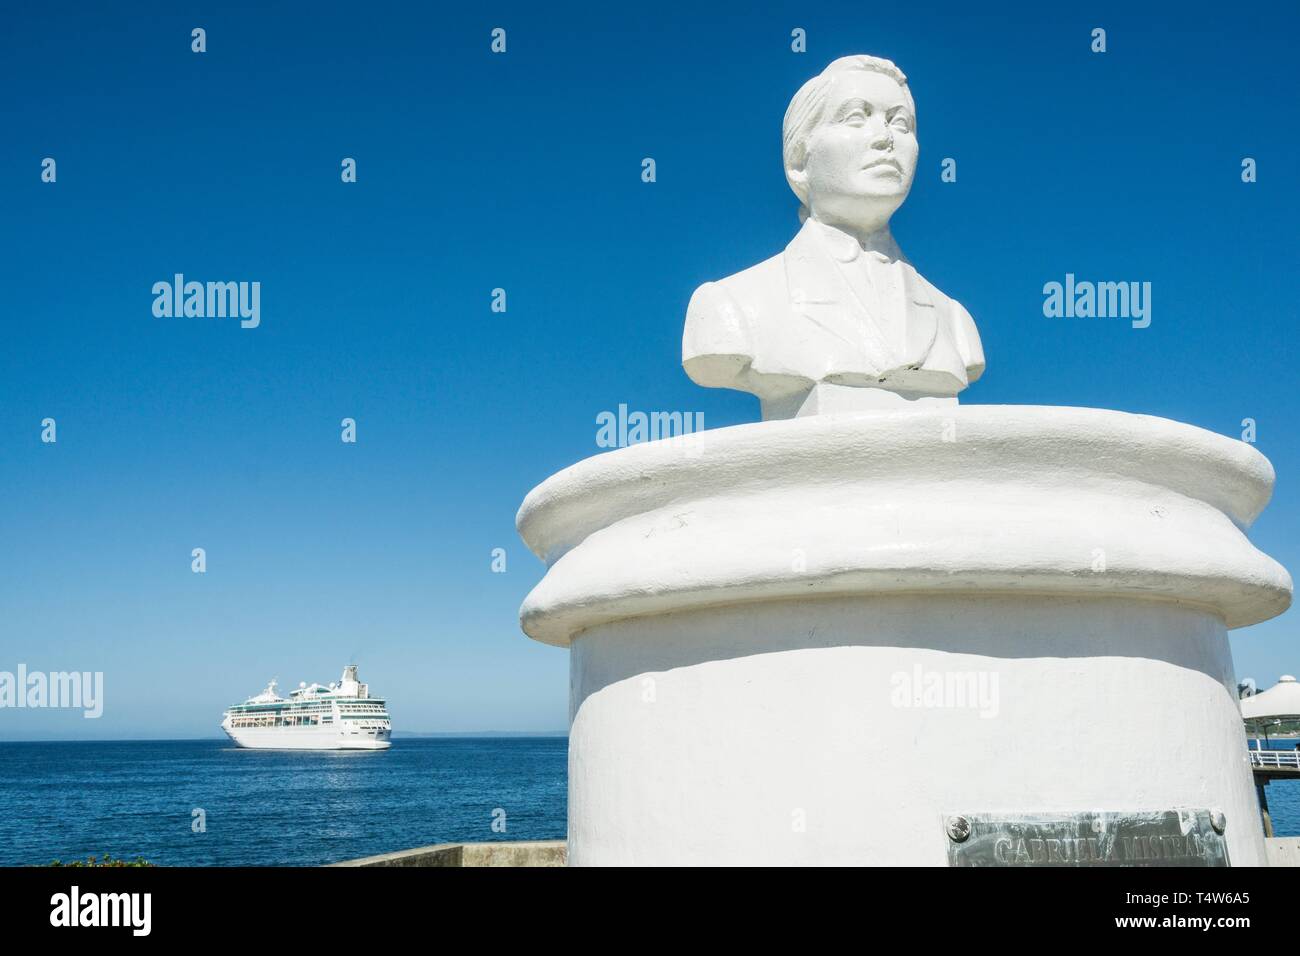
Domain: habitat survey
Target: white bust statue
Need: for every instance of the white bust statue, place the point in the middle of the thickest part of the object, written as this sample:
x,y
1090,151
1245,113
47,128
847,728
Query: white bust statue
x,y
840,320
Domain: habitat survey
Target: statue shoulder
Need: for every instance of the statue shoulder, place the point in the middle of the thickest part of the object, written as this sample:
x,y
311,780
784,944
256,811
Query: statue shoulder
x,y
748,287
968,341
717,344
965,335
960,326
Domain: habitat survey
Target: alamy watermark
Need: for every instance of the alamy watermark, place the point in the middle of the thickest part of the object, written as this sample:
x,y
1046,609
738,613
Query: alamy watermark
x,y
622,428
942,690
79,690
75,908
213,300
1103,300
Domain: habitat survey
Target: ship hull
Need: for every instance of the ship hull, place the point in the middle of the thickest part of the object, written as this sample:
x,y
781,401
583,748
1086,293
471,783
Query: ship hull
x,y
306,738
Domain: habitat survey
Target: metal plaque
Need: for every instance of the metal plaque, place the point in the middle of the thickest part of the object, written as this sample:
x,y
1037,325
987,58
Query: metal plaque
x,y
1138,838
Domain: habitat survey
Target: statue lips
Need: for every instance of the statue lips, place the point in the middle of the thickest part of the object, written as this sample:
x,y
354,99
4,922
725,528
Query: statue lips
x,y
887,161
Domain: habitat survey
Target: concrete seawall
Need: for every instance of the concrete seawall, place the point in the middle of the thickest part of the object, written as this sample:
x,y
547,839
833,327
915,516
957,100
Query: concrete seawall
x,y
1283,851
533,853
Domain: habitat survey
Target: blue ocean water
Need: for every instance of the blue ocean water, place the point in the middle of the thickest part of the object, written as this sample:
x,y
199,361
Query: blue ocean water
x,y
136,798
1283,796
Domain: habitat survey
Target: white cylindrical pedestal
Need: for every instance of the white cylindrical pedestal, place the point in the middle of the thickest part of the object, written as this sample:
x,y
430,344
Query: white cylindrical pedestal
x,y
811,641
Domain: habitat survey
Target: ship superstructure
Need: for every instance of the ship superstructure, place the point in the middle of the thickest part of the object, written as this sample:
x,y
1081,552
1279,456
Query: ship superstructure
x,y
340,716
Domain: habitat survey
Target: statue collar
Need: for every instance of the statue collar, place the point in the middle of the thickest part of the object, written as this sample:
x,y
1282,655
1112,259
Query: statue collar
x,y
845,248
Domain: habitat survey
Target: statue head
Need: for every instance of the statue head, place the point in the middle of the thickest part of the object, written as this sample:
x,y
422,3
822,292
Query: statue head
x,y
849,143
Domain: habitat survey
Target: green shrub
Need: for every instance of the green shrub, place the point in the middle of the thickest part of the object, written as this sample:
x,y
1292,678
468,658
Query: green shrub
x,y
106,860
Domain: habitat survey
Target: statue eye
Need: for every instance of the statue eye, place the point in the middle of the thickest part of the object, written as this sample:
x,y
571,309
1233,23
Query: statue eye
x,y
856,115
901,122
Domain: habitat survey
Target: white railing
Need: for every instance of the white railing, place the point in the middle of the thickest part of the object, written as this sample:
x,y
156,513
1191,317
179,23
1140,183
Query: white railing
x,y
1281,759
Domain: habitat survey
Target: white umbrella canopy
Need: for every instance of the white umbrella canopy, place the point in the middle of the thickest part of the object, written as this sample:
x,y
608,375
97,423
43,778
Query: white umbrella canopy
x,y
1276,710
1280,700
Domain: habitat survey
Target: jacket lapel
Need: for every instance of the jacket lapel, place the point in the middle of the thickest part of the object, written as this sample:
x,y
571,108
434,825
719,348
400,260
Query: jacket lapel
x,y
833,296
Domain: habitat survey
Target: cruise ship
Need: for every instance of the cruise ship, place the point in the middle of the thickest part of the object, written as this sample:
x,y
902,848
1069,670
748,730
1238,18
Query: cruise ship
x,y
342,716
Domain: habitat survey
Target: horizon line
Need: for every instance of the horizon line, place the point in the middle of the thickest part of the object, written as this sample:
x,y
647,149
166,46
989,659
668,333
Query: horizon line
x,y
169,740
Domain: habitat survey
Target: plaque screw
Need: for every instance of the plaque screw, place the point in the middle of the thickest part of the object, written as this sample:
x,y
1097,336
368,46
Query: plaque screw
x,y
958,829
1218,821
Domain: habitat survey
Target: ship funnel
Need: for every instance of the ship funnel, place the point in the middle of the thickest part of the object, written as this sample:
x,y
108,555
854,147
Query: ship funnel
x,y
349,686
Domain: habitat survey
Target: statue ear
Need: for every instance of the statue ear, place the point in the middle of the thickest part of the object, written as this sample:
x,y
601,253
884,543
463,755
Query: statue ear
x,y
798,180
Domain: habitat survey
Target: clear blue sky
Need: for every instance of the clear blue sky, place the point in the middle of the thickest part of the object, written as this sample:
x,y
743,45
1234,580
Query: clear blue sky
x,y
522,171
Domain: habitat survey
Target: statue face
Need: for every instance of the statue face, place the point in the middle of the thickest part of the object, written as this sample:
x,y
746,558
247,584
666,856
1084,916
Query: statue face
x,y
861,156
